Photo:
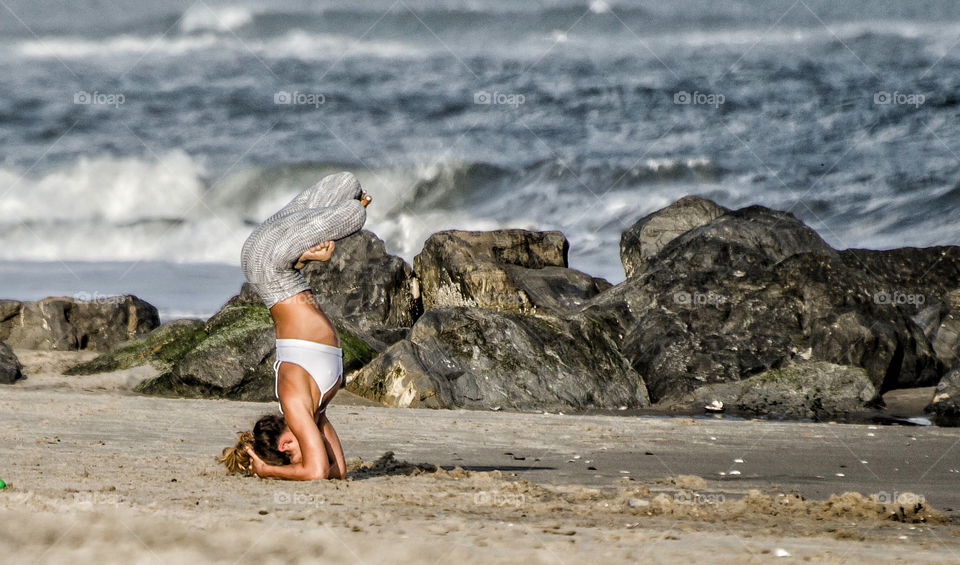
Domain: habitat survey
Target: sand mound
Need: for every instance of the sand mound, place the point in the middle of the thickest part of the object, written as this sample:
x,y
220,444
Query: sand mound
x,y
849,506
387,464
689,482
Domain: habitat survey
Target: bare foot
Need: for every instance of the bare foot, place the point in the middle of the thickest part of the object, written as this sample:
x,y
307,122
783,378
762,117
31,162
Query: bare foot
x,y
320,252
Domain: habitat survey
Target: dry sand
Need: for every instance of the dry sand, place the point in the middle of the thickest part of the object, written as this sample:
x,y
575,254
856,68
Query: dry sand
x,y
99,474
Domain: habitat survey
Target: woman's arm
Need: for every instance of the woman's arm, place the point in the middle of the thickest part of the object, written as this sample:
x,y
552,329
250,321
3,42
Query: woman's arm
x,y
315,462
338,465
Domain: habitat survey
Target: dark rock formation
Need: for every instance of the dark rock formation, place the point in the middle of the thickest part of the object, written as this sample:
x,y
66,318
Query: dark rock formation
x,y
70,324
366,288
750,307
10,368
946,399
506,270
480,358
713,297
162,348
940,322
750,291
651,233
229,362
815,390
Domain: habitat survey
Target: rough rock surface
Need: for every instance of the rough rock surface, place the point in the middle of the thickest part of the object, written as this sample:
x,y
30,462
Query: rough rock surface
x,y
10,368
815,390
940,322
750,291
480,358
162,348
68,323
365,286
946,398
651,233
929,273
229,362
506,270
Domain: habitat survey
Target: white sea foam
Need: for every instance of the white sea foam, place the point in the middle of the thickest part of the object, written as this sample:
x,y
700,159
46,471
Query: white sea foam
x,y
105,189
131,209
202,17
110,209
599,7
114,46
304,45
105,208
786,34
206,32
114,190
295,44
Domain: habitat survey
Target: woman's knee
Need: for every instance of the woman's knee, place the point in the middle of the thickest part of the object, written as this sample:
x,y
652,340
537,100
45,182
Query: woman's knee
x,y
344,185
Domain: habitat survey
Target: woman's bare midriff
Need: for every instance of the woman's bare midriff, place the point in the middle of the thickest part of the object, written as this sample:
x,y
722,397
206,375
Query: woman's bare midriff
x,y
300,317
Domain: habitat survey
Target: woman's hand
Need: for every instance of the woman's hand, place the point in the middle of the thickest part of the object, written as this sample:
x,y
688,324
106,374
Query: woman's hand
x,y
257,467
319,252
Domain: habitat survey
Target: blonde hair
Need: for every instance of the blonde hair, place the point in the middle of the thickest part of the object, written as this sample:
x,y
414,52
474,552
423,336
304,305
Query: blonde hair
x,y
262,440
235,457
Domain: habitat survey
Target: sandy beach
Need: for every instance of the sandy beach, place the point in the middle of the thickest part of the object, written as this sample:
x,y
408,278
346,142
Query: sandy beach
x,y
97,473
638,282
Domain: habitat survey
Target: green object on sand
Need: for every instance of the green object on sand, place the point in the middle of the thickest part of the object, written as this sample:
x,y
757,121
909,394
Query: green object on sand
x,y
3,485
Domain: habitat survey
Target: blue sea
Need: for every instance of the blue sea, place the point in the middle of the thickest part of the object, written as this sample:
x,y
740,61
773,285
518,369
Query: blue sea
x,y
140,141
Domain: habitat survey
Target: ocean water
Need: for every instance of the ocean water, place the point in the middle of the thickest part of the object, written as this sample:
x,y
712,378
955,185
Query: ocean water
x,y
140,142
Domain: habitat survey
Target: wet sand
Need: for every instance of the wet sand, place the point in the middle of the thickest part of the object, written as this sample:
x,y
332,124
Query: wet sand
x,y
98,473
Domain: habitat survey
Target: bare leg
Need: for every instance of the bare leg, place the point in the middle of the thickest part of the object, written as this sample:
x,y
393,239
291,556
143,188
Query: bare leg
x,y
270,252
330,190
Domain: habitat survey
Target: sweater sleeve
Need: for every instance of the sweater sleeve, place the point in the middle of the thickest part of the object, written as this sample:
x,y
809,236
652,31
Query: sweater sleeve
x,y
303,229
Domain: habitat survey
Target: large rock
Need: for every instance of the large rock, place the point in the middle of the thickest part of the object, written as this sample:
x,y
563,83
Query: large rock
x,y
405,375
480,358
162,348
751,291
845,323
229,356
940,322
506,270
236,352
365,286
946,399
10,368
815,390
651,233
768,235
70,324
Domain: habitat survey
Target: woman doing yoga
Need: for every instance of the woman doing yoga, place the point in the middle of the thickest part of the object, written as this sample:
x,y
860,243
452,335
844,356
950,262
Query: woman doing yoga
x,y
301,444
